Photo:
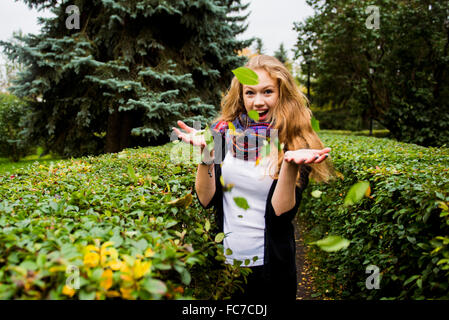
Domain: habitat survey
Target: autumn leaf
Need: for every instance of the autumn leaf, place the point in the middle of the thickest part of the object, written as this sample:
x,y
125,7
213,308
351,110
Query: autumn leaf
x,y
185,201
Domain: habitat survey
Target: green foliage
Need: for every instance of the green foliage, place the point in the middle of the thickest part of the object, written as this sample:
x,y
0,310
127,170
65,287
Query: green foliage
x,y
126,221
397,74
131,71
281,54
399,226
11,143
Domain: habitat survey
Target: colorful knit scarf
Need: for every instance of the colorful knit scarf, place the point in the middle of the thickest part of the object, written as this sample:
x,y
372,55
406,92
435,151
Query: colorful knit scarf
x,y
247,140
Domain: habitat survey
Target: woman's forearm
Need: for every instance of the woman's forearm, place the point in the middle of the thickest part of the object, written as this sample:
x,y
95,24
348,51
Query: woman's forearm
x,y
205,183
284,198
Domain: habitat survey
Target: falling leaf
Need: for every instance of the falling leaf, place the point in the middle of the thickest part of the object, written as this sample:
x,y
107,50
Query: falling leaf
x,y
241,202
332,243
356,193
246,76
316,194
253,114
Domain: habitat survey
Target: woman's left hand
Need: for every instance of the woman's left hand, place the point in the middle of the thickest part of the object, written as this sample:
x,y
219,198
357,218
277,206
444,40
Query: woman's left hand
x,y
302,156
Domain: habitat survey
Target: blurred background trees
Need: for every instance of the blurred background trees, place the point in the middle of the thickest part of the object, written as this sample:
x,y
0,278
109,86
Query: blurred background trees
x,y
127,74
397,74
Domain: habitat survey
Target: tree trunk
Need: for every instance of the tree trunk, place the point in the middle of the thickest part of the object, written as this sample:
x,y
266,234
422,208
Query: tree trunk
x,y
119,129
112,135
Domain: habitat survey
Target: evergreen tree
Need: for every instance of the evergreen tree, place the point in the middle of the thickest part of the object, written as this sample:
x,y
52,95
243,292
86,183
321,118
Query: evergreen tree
x,y
128,73
281,54
259,46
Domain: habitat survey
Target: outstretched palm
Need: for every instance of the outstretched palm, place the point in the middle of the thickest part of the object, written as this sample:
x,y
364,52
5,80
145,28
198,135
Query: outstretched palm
x,y
190,136
302,156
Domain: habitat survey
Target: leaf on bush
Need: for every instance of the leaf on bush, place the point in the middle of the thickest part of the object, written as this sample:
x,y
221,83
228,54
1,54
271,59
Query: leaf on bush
x,y
246,76
185,201
155,286
332,243
241,202
356,193
131,173
219,237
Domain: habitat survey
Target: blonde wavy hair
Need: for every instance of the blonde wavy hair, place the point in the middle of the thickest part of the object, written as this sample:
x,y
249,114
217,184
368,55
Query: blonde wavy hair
x,y
291,115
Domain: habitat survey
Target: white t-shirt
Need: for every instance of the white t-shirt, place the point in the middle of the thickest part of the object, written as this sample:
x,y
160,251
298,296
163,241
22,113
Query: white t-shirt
x,y
244,229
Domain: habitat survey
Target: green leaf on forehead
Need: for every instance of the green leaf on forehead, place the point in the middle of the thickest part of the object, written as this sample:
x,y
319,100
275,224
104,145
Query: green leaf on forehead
x,y
246,76
253,114
315,124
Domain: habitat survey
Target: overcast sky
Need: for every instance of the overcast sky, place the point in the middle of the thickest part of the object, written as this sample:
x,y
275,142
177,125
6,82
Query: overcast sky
x,y
270,20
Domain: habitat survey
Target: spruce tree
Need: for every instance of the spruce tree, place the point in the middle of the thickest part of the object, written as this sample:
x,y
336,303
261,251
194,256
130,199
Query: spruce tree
x,y
281,54
128,73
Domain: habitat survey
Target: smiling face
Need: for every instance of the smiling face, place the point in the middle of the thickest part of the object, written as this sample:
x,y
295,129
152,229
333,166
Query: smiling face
x,y
262,97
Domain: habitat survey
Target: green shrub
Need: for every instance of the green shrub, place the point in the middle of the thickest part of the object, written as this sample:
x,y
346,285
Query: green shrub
x,y
11,111
115,220
402,227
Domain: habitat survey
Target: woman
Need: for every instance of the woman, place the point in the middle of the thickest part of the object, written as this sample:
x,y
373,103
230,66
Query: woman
x,y
261,236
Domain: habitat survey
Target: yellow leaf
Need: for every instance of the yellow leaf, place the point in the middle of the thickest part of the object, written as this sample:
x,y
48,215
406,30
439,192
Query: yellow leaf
x,y
111,252
339,175
57,268
149,253
66,290
126,293
107,244
106,281
185,201
141,268
115,265
91,259
90,248
112,294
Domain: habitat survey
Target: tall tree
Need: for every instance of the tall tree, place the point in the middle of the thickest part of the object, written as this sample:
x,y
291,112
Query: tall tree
x,y
128,73
390,62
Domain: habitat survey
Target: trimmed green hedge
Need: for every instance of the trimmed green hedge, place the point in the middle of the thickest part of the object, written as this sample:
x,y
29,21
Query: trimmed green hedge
x,y
114,224
402,227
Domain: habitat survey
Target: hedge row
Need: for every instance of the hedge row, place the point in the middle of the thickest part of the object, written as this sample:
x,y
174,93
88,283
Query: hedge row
x,y
402,227
116,226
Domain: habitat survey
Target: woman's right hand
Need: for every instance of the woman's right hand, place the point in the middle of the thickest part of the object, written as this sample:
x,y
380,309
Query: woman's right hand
x,y
191,135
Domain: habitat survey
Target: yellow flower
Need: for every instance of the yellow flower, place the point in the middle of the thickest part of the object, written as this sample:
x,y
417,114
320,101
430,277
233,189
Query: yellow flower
x,y
91,259
106,281
68,291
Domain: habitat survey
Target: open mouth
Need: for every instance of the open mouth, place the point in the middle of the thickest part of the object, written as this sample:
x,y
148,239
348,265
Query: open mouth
x,y
263,114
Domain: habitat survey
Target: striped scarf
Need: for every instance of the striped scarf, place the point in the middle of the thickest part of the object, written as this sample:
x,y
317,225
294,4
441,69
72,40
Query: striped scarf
x,y
247,140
